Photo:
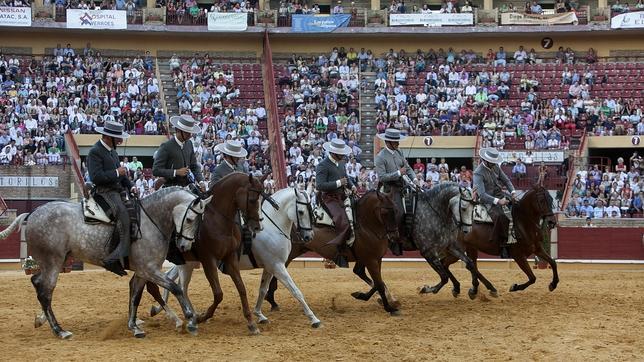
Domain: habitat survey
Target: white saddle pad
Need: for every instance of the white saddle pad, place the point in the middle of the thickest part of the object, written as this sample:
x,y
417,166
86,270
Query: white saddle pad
x,y
93,211
323,218
481,214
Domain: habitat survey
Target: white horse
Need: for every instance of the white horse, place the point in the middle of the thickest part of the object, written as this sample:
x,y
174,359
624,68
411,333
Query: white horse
x,y
271,248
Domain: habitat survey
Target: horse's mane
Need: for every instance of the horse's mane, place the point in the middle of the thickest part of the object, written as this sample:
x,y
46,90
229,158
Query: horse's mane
x,y
438,197
158,195
438,192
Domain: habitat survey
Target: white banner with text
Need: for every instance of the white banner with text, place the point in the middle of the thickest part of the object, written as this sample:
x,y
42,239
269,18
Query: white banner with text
x,y
433,19
11,16
633,20
227,21
535,19
96,19
537,156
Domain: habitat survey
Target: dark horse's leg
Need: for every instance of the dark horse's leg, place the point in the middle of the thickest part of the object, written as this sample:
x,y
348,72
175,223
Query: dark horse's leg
x,y
359,270
522,262
374,267
445,263
471,266
435,263
555,275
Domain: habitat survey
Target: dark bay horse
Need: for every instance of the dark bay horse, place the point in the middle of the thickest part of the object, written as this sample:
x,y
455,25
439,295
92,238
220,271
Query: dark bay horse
x,y
375,226
528,213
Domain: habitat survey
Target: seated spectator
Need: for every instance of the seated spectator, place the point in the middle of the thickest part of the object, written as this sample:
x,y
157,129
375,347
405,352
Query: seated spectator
x,y
535,8
500,58
519,169
520,56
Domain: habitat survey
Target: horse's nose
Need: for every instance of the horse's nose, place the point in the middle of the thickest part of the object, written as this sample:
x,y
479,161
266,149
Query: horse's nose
x,y
307,238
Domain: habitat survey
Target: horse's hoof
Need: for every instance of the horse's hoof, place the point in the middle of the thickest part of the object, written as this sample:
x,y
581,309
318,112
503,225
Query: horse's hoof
x,y
275,308
494,294
359,296
455,293
514,288
425,289
552,287
154,311
139,322
139,334
317,324
254,331
192,329
201,318
65,335
395,313
472,294
39,320
263,321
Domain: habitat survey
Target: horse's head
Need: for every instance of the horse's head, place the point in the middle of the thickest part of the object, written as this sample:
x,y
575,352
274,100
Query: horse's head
x,y
303,215
385,212
544,203
248,201
462,208
187,218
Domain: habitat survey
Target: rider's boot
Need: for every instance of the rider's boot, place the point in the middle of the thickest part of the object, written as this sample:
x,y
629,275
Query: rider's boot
x,y
340,260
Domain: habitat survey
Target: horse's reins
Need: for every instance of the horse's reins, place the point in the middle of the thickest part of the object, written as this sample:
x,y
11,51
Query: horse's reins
x,y
185,215
297,216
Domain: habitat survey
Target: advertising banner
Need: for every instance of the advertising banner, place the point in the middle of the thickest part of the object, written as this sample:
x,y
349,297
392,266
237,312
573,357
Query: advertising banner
x,y
10,16
533,19
227,21
433,19
628,21
319,24
537,156
96,19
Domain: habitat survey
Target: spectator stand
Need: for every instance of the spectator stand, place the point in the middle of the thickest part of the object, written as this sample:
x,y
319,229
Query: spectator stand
x,y
191,12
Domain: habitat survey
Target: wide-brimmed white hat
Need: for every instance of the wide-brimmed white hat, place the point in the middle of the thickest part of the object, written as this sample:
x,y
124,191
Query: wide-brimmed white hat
x,y
490,154
232,148
185,123
391,135
113,129
337,146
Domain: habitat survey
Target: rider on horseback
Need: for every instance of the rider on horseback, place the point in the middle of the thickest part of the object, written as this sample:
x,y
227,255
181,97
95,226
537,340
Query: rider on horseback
x,y
331,179
111,183
175,159
233,154
489,180
391,167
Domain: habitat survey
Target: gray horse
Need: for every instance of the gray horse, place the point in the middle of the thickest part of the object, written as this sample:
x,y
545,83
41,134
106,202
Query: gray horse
x,y
441,214
56,230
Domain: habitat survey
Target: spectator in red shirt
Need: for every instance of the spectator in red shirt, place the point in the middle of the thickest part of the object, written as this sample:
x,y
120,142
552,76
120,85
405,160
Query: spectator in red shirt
x,y
419,166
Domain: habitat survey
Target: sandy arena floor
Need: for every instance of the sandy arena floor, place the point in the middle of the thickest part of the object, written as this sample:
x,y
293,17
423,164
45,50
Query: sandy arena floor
x,y
594,314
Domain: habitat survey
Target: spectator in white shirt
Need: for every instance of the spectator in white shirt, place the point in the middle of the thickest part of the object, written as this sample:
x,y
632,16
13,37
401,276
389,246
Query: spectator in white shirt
x,y
520,56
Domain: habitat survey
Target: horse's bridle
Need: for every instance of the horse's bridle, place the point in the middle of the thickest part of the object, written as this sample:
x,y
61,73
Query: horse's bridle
x,y
259,193
391,212
297,214
199,220
309,209
459,222
542,200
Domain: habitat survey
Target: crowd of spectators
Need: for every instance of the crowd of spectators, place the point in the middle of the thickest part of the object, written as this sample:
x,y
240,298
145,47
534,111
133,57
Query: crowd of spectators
x,y
447,7
71,90
604,192
128,5
620,8
15,3
454,98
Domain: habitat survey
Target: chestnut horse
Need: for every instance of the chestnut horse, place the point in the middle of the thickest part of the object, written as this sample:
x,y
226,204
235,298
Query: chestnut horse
x,y
375,226
528,213
219,238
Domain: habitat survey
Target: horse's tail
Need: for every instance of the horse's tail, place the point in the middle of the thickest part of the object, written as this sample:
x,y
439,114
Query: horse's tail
x,y
14,225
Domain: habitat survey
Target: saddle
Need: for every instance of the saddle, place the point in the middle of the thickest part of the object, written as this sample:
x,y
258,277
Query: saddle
x,y
482,216
323,218
96,211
